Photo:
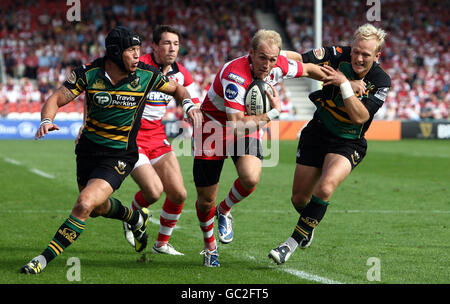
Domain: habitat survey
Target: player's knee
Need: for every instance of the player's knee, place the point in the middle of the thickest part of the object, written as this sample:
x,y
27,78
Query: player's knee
x,y
152,195
84,207
178,197
299,200
250,181
324,191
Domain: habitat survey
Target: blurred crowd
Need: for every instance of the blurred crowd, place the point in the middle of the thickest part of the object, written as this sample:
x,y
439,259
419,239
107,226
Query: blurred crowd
x,y
416,54
39,46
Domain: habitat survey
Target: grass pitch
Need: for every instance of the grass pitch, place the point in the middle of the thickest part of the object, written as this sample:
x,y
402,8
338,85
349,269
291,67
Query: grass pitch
x,y
387,223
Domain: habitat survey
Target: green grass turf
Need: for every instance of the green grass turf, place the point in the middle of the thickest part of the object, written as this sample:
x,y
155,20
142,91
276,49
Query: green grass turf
x,y
395,207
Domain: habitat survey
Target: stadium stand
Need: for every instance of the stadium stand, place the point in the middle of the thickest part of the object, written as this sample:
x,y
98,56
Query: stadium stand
x,y
39,46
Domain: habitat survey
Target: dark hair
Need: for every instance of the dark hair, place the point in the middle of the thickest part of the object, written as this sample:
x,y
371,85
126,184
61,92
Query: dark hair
x,y
160,29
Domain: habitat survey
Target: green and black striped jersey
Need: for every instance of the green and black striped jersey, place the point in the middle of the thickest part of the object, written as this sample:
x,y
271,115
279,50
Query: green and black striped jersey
x,y
114,111
330,105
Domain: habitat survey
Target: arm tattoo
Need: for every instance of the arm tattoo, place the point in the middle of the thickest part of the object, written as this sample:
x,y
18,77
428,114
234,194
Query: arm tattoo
x,y
66,94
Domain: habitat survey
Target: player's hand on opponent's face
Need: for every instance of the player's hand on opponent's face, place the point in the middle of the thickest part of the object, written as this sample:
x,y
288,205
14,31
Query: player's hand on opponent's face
x,y
274,99
44,129
358,86
196,117
334,77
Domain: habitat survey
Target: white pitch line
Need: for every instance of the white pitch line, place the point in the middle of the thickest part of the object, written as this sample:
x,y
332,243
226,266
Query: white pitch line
x,y
308,276
42,173
299,273
34,170
12,161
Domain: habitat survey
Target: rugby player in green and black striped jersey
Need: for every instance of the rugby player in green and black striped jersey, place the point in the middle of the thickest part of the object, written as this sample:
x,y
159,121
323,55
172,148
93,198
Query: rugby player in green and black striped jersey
x,y
116,87
333,143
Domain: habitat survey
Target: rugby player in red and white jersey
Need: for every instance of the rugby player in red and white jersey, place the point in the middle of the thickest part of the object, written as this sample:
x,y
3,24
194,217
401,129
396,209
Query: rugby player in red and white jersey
x,y
157,169
224,115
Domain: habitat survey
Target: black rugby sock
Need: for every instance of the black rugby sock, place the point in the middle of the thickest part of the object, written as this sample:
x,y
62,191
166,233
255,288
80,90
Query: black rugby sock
x,y
67,233
310,217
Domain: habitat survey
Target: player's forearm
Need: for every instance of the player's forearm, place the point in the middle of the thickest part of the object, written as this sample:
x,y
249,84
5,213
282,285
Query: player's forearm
x,y
61,97
248,124
181,94
356,110
353,106
313,71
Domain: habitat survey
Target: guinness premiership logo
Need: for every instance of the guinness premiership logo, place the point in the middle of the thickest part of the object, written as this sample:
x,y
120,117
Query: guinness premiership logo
x,y
426,128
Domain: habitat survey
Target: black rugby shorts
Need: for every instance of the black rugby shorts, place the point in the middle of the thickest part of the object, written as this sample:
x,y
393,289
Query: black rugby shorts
x,y
316,142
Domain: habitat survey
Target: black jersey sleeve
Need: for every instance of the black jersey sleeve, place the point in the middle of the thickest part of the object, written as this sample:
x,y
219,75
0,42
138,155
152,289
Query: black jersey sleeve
x,y
326,54
76,81
376,95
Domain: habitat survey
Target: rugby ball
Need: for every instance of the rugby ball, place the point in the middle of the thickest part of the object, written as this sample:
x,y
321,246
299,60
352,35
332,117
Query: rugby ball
x,y
256,101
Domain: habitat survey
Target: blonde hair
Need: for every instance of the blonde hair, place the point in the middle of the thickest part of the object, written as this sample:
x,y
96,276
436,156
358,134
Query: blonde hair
x,y
267,36
368,32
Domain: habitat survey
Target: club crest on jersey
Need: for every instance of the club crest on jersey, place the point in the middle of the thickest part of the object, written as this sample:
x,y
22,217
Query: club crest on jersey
x,y
236,78
231,91
99,85
319,53
134,85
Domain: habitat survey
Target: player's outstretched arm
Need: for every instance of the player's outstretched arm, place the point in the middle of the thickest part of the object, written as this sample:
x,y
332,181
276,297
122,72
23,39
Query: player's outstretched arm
x,y
313,71
182,97
293,55
61,97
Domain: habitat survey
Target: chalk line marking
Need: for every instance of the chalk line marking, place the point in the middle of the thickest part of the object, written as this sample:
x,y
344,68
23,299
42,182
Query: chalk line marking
x,y
33,170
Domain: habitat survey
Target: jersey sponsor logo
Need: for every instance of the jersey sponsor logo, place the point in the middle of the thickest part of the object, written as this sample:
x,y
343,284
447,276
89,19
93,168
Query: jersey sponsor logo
x,y
102,99
236,78
319,53
231,91
381,93
159,96
124,101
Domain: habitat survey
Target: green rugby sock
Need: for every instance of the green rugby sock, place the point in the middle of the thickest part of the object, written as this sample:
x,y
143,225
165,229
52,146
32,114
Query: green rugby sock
x,y
67,233
120,212
310,217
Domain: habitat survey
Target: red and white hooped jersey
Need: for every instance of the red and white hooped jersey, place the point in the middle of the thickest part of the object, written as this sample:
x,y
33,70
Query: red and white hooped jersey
x,y
226,95
156,102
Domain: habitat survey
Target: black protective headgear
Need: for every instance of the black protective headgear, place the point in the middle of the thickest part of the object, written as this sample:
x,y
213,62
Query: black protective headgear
x,y
119,39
